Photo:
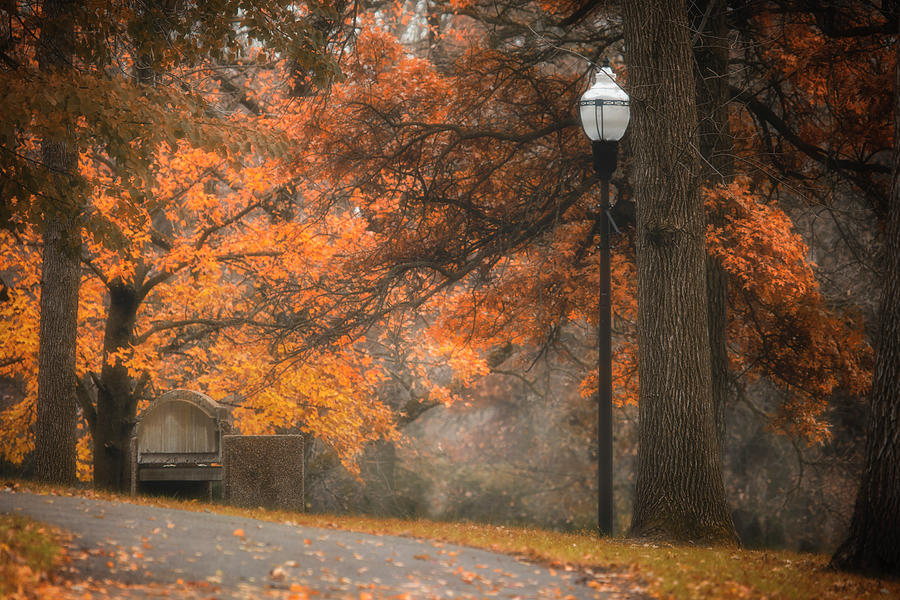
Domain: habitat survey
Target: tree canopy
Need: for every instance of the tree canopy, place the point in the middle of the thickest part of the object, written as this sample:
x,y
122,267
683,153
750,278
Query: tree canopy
x,y
291,206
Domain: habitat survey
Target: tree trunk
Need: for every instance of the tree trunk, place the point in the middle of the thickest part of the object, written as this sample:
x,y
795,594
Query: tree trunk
x,y
872,545
679,491
116,403
717,167
55,425
116,399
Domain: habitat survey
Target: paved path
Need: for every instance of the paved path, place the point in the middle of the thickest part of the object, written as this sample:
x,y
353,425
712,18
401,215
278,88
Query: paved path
x,y
133,544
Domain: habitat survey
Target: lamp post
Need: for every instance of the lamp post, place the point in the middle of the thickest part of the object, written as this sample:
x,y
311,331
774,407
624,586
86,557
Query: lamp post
x,y
604,117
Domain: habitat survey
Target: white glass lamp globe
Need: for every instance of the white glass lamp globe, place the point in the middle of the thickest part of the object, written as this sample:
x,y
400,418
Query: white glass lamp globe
x,y
604,108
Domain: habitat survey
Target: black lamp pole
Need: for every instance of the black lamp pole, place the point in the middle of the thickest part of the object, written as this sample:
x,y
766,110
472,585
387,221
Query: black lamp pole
x,y
604,164
604,111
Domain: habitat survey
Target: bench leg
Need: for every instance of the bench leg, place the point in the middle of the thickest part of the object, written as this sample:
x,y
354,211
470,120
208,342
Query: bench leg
x,y
132,459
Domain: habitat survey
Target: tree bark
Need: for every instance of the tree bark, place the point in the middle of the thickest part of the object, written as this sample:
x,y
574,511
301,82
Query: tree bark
x,y
116,403
872,543
679,492
55,425
710,30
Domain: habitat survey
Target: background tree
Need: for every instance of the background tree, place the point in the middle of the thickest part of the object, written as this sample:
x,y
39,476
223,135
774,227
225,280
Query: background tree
x,y
871,545
815,125
711,55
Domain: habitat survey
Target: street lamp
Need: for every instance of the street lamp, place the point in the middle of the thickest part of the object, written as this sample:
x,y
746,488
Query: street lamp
x,y
604,116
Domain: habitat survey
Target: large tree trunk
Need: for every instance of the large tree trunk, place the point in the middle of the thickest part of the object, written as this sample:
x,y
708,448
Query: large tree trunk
x,y
54,449
55,426
679,492
116,403
873,544
717,167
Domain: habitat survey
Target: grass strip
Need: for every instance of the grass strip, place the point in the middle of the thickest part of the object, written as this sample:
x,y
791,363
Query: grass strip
x,y
29,554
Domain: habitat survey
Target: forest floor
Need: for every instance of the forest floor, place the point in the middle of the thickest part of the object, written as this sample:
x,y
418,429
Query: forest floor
x,y
40,561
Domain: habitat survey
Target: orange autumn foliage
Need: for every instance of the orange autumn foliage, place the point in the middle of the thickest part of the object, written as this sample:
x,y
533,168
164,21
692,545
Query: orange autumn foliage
x,y
195,255
433,169
781,326
279,265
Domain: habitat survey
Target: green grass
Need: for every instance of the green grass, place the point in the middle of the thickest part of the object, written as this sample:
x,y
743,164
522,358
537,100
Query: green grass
x,y
661,570
29,551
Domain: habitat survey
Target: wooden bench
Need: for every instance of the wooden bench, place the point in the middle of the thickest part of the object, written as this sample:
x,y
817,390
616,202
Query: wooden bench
x,y
179,438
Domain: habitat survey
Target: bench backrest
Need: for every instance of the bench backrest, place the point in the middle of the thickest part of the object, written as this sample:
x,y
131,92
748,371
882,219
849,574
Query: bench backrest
x,y
180,423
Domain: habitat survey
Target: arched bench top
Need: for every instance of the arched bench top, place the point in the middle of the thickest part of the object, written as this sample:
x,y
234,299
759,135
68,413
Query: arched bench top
x,y
181,426
212,408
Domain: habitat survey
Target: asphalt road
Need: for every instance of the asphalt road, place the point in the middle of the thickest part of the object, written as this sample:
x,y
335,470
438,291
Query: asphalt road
x,y
234,557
